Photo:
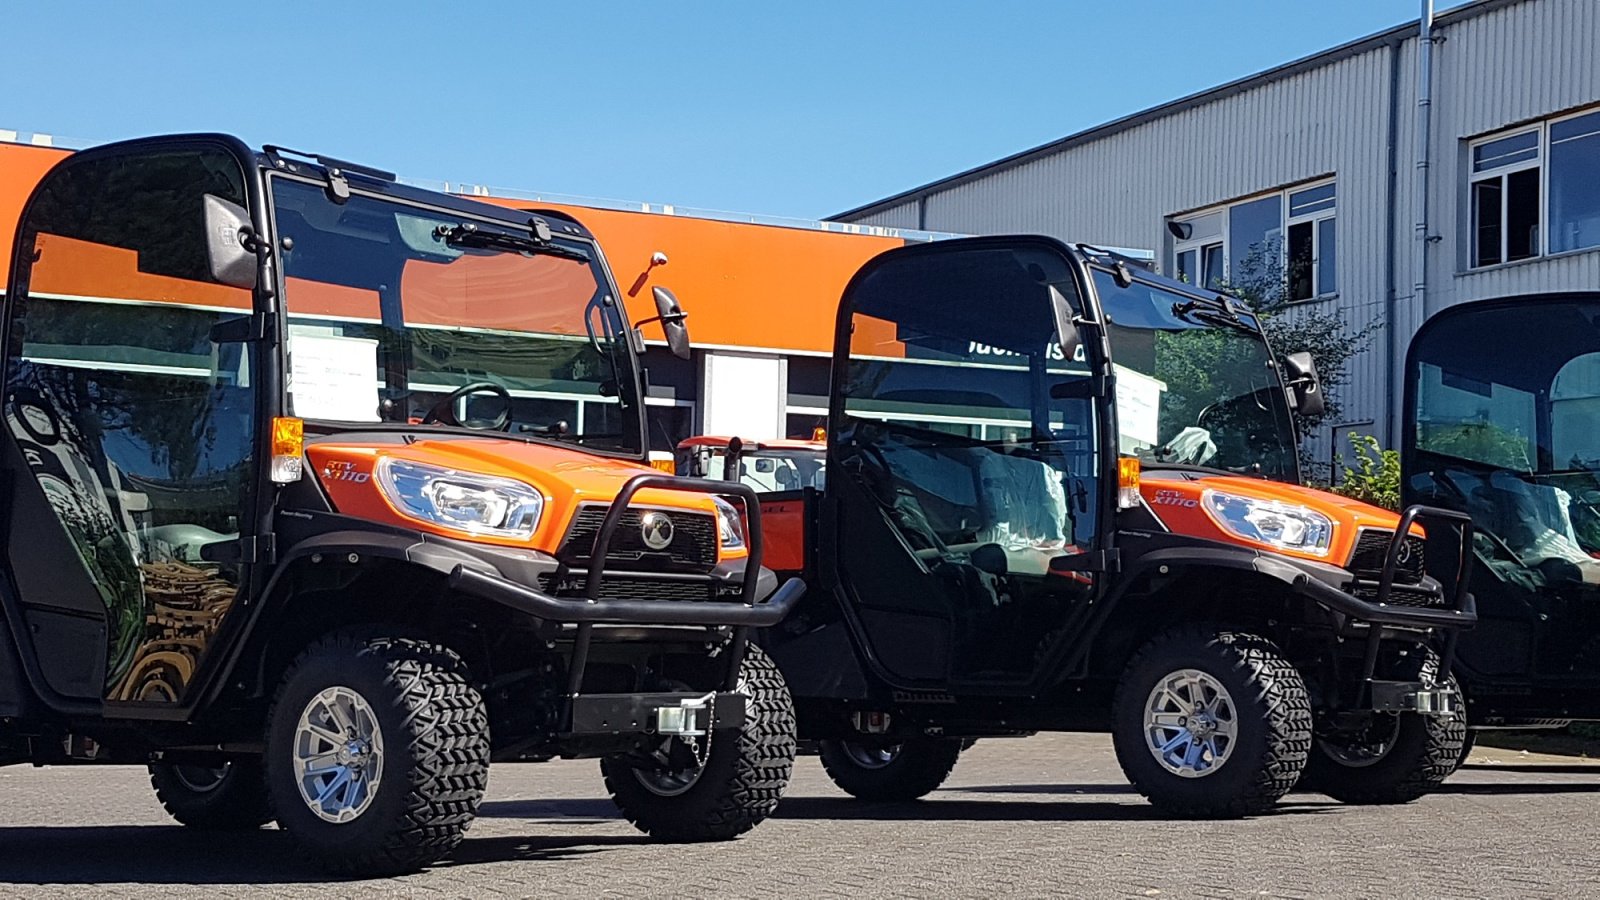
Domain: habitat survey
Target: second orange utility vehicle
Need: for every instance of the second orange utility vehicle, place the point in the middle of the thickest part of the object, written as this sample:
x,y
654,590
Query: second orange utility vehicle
x,y
1062,495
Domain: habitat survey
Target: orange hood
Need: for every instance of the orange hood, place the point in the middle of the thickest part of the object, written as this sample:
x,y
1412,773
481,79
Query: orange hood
x,y
565,476
1176,500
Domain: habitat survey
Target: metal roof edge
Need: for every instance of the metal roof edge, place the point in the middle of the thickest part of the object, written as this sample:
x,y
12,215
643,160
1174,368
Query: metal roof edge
x,y
1394,35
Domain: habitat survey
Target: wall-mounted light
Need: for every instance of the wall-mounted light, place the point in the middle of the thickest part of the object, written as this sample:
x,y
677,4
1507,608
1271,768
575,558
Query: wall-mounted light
x,y
1180,230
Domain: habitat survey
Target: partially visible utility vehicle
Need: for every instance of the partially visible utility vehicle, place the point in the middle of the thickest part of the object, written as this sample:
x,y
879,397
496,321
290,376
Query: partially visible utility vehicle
x,y
1062,495
300,509
1502,422
768,466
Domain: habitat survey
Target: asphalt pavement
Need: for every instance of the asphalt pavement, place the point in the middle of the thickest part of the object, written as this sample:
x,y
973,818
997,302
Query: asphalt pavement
x,y
1043,816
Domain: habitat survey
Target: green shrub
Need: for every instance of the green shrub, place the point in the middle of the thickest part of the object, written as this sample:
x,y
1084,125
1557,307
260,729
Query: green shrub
x,y
1375,476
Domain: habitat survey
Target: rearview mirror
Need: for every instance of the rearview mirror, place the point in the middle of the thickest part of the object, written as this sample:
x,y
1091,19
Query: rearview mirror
x,y
228,232
672,316
1305,388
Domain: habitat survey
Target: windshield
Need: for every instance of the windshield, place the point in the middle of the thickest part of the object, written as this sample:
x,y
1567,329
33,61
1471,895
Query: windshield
x,y
1195,385
771,469
387,318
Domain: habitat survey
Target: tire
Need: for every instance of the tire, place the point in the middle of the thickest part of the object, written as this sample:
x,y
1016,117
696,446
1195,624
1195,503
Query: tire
x,y
741,782
1398,759
1468,741
230,798
1262,702
895,773
421,760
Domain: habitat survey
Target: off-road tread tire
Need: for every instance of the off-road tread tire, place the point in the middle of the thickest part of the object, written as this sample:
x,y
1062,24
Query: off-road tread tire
x,y
436,753
1274,714
238,804
1427,751
1468,741
742,781
921,766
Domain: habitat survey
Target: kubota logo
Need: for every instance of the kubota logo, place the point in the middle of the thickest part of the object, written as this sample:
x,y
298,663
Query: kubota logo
x,y
1175,498
656,530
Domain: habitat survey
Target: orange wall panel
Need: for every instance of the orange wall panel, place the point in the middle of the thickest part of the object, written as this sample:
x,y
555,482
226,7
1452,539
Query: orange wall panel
x,y
21,167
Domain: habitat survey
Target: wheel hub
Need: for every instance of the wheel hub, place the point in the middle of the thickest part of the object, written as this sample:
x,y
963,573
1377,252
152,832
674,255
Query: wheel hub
x,y
1190,723
338,755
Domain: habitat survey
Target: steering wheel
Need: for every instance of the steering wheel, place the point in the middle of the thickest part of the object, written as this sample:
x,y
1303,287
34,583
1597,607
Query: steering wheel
x,y
444,412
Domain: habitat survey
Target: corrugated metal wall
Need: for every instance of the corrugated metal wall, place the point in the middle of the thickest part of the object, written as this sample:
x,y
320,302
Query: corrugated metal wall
x,y
1498,66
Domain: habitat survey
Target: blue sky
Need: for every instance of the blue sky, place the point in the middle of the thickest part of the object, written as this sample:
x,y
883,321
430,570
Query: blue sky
x,y
800,109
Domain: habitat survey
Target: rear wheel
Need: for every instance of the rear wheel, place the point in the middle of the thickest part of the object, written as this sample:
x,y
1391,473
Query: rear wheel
x,y
740,781
229,797
1211,724
907,770
377,753
1391,758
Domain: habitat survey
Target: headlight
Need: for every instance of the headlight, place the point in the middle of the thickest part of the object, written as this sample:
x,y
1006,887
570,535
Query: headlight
x,y
475,504
730,526
1285,525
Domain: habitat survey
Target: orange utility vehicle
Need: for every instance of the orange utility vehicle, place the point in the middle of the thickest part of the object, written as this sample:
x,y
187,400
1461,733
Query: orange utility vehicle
x,y
1062,495
290,514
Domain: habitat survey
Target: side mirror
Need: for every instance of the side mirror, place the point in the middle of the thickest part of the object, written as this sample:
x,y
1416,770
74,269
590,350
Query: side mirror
x,y
228,235
1305,388
672,316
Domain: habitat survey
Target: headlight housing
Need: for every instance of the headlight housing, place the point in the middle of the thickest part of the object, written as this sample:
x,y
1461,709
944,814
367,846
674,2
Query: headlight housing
x,y
1287,526
462,501
730,525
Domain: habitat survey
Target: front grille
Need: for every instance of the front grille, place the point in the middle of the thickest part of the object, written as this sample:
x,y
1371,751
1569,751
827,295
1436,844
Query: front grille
x,y
693,547
1372,546
621,587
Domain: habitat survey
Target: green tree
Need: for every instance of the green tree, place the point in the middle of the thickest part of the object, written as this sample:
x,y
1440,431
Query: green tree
x,y
1375,475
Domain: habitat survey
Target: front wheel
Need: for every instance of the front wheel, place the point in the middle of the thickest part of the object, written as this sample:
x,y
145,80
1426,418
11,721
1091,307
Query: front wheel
x,y
377,753
738,785
230,797
1391,758
908,770
1211,724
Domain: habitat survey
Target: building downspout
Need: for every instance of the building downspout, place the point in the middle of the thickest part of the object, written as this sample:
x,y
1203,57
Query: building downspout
x,y
1419,260
1391,299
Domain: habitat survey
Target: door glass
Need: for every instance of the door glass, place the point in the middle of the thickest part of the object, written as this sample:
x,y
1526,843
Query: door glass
x,y
136,425
952,427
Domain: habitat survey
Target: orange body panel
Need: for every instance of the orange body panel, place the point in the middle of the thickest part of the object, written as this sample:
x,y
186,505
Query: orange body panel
x,y
564,476
1176,502
783,535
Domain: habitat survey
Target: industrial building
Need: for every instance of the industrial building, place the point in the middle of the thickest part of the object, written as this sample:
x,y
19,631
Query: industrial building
x,y
1449,159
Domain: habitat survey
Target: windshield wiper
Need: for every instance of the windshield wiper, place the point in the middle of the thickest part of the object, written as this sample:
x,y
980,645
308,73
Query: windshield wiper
x,y
1206,312
470,235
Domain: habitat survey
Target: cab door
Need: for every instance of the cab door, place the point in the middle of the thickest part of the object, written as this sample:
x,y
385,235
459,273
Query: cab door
x,y
129,431
965,483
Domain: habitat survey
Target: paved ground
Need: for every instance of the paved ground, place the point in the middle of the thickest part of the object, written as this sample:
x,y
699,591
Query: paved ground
x,y
1045,815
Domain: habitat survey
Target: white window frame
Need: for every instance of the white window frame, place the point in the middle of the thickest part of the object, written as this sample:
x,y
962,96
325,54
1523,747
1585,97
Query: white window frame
x,y
1541,161
1500,174
1315,220
1284,221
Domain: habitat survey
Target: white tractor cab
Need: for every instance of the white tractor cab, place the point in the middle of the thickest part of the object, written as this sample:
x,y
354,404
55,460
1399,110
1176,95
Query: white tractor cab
x,y
1502,422
766,466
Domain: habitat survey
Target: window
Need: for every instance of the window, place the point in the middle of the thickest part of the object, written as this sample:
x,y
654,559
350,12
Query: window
x,y
1533,191
1505,199
1311,252
1281,244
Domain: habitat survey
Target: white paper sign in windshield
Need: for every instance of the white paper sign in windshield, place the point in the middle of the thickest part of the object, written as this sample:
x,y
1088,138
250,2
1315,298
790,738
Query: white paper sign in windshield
x,y
1138,409
333,377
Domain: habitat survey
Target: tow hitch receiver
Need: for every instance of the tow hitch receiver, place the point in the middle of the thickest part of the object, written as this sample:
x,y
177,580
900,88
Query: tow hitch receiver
x,y
680,715
1410,696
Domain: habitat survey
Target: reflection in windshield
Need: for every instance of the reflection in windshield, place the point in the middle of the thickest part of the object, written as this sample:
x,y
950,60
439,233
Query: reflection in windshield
x,y
387,318
1195,385
772,470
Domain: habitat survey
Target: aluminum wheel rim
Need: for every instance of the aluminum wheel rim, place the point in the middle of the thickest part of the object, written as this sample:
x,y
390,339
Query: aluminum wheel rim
x,y
338,755
201,779
1190,723
1362,750
871,757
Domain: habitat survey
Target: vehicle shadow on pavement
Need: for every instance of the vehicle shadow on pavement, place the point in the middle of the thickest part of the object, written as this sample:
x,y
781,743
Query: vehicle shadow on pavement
x,y
1517,787
149,854
1536,769
936,809
560,812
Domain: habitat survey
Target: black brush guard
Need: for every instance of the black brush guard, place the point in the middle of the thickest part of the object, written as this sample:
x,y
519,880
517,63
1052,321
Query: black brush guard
x,y
741,615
